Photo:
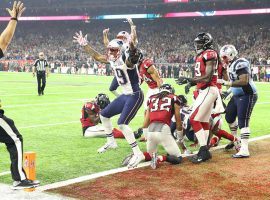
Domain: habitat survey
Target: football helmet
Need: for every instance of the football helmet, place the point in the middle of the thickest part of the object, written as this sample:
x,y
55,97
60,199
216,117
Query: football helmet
x,y
182,99
228,53
202,42
166,88
114,49
102,100
124,36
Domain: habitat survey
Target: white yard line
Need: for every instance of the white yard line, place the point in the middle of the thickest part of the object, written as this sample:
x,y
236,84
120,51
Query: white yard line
x,y
4,173
117,170
45,125
39,104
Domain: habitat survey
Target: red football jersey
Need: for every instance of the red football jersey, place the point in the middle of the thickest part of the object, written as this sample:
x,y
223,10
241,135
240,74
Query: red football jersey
x,y
200,67
144,75
85,121
162,110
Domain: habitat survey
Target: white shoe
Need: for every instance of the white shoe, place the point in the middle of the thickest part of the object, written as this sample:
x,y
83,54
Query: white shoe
x,y
135,160
107,146
241,154
237,145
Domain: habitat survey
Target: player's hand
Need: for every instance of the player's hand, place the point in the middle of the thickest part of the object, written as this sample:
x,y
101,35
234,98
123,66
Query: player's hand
x,y
80,39
17,9
130,21
106,31
34,74
182,80
223,82
187,88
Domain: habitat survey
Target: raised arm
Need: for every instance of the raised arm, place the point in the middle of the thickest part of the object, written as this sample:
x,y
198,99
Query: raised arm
x,y
105,37
7,34
82,41
133,32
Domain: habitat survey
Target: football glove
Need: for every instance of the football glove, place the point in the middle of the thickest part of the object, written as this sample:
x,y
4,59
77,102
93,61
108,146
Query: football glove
x,y
188,86
182,80
223,82
80,39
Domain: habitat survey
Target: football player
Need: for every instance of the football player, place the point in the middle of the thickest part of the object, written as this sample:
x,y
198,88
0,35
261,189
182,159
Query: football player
x,y
244,95
91,118
206,79
161,108
124,64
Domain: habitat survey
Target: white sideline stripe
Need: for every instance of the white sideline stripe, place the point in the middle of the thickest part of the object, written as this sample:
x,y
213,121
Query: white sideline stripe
x,y
4,173
117,170
38,104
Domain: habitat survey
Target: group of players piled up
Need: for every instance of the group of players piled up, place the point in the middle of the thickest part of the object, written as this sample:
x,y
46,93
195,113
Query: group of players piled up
x,y
168,118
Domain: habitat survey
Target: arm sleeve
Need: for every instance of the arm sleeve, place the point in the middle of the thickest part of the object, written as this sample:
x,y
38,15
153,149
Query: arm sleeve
x,y
35,64
1,53
114,85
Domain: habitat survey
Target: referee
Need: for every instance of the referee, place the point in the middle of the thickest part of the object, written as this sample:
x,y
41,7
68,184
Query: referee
x,y
9,135
41,68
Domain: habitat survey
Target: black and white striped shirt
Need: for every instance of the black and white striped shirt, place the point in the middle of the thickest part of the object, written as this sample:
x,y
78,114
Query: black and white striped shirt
x,y
41,65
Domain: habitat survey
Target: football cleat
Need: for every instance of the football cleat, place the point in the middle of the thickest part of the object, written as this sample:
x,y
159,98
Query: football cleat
x,y
107,146
241,154
202,156
19,185
135,160
126,160
229,146
154,161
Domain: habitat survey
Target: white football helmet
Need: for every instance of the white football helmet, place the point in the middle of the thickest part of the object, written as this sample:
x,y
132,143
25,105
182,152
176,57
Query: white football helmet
x,y
114,49
124,36
228,52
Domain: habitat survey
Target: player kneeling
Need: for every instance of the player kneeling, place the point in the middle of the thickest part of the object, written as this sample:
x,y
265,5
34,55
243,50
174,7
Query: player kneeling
x,y
91,118
161,108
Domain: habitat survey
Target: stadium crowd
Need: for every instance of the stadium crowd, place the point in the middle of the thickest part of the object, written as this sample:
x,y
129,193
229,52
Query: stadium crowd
x,y
171,48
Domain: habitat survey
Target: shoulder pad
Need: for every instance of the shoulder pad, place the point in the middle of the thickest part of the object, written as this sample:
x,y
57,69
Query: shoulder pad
x,y
147,63
209,55
241,63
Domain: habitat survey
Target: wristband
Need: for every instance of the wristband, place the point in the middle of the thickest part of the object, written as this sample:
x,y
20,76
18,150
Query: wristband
x,y
14,18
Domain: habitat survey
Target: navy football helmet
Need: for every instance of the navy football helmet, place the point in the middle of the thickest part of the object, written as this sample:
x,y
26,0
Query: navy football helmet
x,y
102,100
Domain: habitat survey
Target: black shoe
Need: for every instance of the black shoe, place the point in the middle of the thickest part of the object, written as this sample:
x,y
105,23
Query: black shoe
x,y
202,156
229,146
42,93
39,94
18,185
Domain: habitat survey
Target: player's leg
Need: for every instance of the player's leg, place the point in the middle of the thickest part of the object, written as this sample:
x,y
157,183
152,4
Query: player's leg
x,y
199,120
245,105
111,110
14,142
170,146
131,107
95,131
43,83
230,116
39,83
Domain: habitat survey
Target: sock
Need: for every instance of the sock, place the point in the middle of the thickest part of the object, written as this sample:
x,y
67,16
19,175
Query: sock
x,y
128,133
147,156
201,137
107,124
245,132
206,128
233,127
226,135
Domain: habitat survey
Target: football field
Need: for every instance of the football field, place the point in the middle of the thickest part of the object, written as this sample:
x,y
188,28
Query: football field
x,y
50,124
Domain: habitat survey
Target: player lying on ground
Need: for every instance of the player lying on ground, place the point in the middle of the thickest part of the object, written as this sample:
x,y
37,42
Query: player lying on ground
x,y
206,79
161,108
91,118
123,62
244,95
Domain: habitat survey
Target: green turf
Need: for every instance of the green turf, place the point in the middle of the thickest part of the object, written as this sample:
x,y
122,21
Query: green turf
x,y
62,152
